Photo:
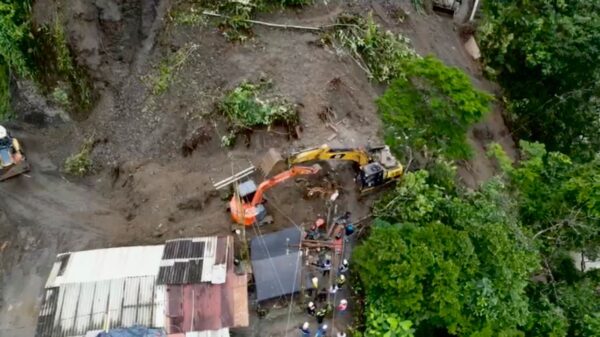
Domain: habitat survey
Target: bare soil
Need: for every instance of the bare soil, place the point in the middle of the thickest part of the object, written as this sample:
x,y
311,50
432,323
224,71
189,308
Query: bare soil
x,y
159,154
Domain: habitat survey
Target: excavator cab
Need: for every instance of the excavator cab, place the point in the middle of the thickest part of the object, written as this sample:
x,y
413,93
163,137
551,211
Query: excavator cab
x,y
371,175
246,191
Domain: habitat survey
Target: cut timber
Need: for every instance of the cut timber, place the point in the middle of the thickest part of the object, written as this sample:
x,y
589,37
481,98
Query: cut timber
x,y
234,178
472,48
332,127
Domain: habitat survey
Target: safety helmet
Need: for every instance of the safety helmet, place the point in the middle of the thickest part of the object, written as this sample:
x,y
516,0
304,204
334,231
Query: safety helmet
x,y
311,304
342,277
345,262
324,327
343,302
3,132
305,325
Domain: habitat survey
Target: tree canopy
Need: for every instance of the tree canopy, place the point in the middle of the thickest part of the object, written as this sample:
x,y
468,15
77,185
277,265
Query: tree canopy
x,y
430,109
546,54
443,260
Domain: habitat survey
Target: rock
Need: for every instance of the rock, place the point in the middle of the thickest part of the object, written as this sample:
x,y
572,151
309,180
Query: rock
x,y
472,48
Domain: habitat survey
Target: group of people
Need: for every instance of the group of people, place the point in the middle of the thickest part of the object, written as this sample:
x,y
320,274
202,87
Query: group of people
x,y
321,297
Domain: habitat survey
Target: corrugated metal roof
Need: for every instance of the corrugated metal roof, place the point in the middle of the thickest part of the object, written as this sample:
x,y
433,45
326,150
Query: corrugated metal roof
x,y
105,264
196,260
206,306
75,308
119,287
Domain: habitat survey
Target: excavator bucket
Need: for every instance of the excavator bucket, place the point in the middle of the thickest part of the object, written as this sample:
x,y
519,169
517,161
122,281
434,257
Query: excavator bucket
x,y
271,163
14,170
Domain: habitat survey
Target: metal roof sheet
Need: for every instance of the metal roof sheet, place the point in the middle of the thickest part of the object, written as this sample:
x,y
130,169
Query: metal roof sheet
x,y
208,306
75,308
275,261
195,260
118,287
105,264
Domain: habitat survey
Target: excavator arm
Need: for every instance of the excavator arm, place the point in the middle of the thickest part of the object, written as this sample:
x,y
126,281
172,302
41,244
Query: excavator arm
x,y
325,152
281,177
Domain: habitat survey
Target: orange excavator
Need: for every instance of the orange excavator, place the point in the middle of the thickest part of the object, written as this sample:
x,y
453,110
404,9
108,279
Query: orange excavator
x,y
246,205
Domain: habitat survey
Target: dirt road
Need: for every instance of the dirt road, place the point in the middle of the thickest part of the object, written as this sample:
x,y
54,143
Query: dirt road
x,y
42,214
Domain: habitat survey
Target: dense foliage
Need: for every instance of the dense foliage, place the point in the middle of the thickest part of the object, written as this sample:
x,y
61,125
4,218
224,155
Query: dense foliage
x,y
449,260
382,324
546,54
558,199
431,108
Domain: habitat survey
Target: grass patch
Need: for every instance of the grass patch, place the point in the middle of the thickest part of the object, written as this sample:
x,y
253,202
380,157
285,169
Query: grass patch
x,y
80,164
164,75
247,107
190,15
380,53
67,83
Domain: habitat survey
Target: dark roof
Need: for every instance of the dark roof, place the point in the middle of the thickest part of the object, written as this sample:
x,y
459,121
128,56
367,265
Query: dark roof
x,y
180,249
277,275
275,244
187,261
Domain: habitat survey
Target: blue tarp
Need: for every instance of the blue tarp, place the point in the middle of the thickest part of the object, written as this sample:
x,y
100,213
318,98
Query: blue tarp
x,y
136,331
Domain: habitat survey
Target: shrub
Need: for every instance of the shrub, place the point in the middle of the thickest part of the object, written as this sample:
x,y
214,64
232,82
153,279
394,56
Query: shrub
x,y
165,73
245,108
380,53
80,164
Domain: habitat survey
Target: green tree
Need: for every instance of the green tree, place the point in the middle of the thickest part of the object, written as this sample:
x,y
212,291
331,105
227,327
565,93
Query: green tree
x,y
453,260
431,109
559,200
545,54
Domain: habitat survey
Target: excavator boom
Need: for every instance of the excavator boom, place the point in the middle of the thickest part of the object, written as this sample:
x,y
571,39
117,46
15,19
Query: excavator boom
x,y
281,177
325,152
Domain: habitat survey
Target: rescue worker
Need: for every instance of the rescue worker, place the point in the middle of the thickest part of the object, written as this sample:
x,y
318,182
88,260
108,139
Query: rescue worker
x,y
321,315
322,295
312,292
344,266
333,289
311,309
326,267
349,228
322,332
304,328
343,305
340,281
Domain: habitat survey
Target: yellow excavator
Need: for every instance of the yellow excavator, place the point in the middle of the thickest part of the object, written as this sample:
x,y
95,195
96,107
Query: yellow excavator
x,y
376,166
